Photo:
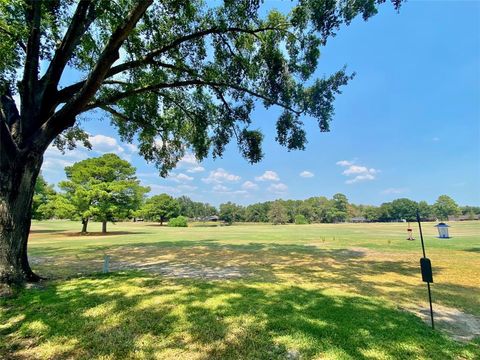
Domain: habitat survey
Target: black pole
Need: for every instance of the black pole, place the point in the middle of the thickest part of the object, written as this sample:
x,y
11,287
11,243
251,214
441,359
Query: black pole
x,y
421,235
431,307
428,283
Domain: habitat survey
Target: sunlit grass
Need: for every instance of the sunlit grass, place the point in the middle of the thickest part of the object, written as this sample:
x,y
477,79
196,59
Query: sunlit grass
x,y
310,292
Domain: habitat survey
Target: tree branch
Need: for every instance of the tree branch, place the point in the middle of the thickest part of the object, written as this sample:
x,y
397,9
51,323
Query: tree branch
x,y
177,104
81,20
115,112
109,55
124,117
149,58
193,82
30,74
65,117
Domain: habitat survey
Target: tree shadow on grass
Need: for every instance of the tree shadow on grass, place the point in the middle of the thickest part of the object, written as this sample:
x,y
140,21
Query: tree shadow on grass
x,y
130,315
348,269
102,234
44,231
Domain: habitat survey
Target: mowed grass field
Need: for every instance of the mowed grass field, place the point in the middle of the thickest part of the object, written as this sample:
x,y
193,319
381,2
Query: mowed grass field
x,y
320,291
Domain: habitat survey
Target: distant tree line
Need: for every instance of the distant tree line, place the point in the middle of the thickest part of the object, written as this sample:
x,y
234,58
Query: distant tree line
x,y
339,209
106,189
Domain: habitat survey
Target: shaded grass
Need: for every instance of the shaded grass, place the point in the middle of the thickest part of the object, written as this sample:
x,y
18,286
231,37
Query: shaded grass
x,y
136,315
320,291
368,259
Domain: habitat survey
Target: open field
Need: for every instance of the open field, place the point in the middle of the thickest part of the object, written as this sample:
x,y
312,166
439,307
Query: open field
x,y
340,291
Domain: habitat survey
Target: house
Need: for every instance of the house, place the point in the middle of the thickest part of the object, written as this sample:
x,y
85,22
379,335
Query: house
x,y
358,219
463,217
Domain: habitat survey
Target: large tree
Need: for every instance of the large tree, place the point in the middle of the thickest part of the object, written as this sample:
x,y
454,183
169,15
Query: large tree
x,y
103,188
278,213
160,208
445,206
174,74
404,209
231,212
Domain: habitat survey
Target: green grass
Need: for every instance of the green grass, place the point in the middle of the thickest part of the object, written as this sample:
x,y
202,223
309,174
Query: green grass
x,y
316,291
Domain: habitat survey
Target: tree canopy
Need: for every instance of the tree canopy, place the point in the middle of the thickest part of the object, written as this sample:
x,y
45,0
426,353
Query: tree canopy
x,y
103,188
445,206
231,212
278,213
160,208
173,74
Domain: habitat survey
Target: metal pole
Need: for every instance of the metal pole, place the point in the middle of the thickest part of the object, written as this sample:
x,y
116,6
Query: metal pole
x,y
431,307
428,284
421,235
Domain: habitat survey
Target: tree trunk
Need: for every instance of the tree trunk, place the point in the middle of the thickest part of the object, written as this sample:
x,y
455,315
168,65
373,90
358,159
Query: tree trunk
x,y
104,227
17,184
84,225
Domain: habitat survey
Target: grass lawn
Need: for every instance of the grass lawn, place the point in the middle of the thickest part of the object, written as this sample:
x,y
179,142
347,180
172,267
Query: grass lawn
x,y
241,292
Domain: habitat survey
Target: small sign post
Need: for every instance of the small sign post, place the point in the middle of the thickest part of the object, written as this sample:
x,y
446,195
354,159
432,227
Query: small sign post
x,y
426,267
106,264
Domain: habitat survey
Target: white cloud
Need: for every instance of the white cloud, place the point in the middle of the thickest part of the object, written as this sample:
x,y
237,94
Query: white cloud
x,y
344,163
55,161
190,164
279,188
196,169
306,174
220,188
248,185
219,176
105,144
78,153
179,177
57,165
132,147
184,177
355,169
394,191
357,172
360,178
224,190
188,158
268,176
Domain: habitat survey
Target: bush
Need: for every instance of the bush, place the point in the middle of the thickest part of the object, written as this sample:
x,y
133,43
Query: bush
x,y
300,220
180,221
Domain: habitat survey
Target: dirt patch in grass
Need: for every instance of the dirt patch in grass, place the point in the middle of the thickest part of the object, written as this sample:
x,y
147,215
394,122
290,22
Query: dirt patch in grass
x,y
177,270
99,233
457,324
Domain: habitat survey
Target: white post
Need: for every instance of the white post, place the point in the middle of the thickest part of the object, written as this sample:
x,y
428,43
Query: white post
x,y
106,264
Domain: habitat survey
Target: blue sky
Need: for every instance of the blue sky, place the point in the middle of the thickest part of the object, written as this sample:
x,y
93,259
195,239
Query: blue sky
x,y
408,125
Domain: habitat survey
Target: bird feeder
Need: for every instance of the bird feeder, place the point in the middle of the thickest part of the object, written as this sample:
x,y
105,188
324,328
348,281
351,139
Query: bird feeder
x,y
410,234
442,230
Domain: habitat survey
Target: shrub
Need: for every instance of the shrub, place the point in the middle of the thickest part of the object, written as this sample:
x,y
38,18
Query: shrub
x,y
180,221
300,219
